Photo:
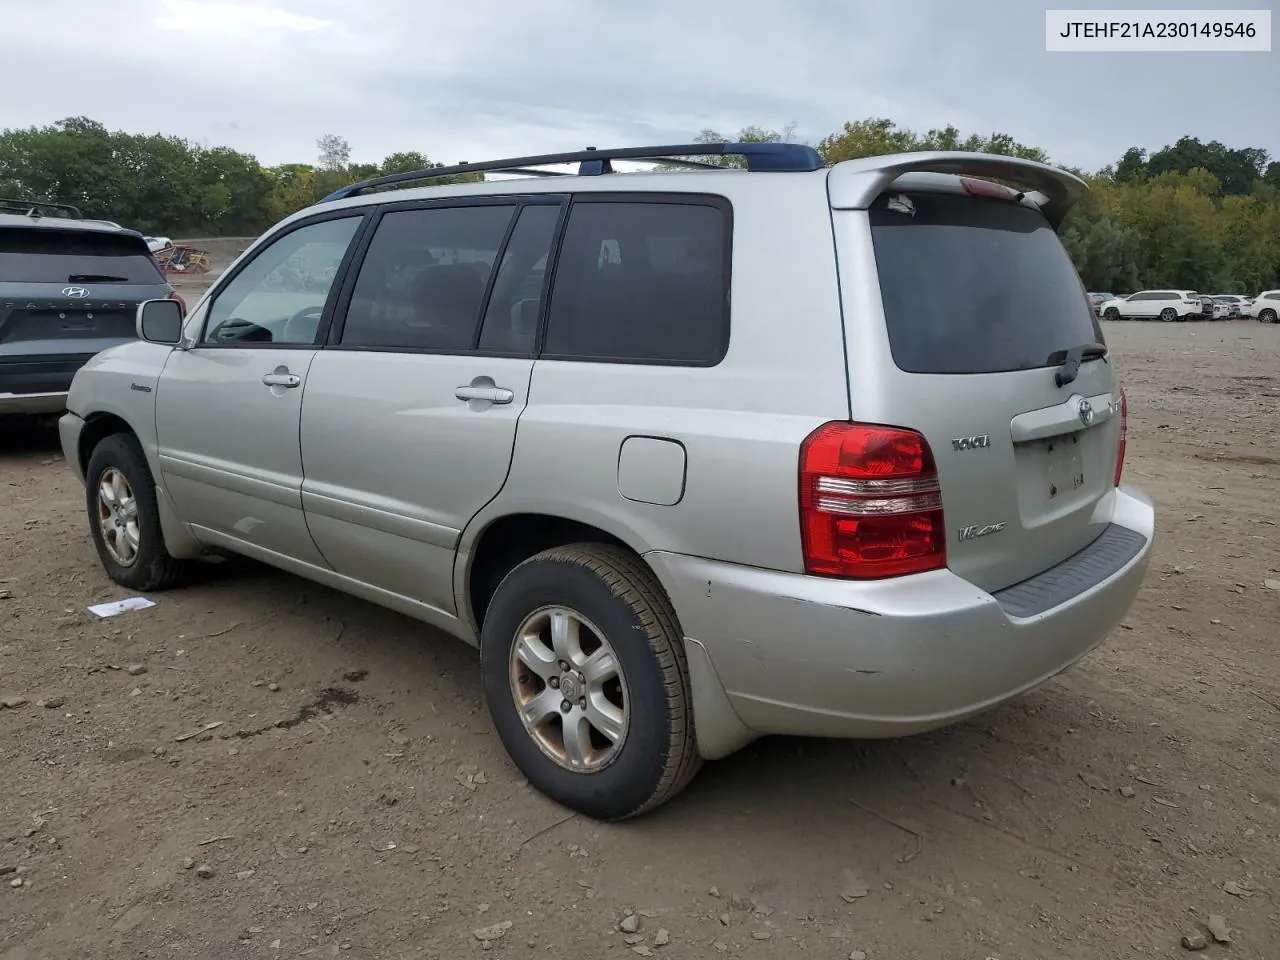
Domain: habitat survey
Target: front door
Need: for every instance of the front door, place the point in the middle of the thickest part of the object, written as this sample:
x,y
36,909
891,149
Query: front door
x,y
228,408
410,413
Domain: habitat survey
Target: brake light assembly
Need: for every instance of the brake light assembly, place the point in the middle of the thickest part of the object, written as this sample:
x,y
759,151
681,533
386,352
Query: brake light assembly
x,y
870,502
1123,435
988,188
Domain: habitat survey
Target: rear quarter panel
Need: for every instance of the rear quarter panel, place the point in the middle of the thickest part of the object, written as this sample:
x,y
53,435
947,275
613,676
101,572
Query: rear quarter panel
x,y
740,422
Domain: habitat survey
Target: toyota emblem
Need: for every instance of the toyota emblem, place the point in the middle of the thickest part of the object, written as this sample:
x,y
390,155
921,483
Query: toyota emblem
x,y
75,293
1086,412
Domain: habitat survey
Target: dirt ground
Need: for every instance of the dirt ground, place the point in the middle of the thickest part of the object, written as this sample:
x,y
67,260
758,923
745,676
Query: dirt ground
x,y
353,801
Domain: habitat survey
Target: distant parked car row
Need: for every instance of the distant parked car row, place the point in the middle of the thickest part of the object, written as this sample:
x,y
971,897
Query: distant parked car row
x,y
1165,305
1181,305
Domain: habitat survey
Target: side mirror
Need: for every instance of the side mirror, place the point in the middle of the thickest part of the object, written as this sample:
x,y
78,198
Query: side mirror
x,y
160,321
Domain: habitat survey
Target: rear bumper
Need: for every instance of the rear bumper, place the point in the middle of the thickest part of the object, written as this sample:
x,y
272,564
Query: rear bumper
x,y
33,403
811,656
37,385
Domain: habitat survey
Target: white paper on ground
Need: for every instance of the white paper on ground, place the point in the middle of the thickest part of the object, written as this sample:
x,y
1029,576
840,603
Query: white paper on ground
x,y
120,606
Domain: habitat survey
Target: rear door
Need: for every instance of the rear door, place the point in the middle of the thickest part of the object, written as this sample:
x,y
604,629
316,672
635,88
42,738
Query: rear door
x,y
980,304
66,294
409,414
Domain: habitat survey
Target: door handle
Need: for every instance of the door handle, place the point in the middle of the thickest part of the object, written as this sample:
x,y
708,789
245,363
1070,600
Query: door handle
x,y
281,379
492,394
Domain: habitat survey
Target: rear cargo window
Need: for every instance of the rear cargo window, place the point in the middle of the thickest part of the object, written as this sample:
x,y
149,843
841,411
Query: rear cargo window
x,y
975,286
47,255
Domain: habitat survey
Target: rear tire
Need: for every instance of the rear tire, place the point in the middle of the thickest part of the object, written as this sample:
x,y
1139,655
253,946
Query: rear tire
x,y
585,589
124,518
1168,315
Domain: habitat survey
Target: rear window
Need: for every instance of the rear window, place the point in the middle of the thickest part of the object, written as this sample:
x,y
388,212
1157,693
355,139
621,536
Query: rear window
x,y
975,286
45,255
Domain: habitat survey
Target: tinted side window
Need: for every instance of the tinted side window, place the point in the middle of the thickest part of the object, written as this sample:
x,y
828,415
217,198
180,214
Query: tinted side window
x,y
975,286
280,294
1139,297
511,319
424,277
642,281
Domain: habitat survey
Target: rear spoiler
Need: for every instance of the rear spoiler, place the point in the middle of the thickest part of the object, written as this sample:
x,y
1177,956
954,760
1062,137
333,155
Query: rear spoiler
x,y
855,184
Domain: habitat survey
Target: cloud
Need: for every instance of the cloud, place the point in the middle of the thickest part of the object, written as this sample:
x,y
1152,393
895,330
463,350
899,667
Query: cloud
x,y
212,22
500,77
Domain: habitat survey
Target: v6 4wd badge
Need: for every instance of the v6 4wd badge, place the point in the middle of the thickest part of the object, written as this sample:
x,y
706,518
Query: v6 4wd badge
x,y
974,532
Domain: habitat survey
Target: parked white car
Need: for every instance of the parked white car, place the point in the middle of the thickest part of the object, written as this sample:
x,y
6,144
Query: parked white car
x,y
1166,305
1265,307
1224,308
156,244
1235,304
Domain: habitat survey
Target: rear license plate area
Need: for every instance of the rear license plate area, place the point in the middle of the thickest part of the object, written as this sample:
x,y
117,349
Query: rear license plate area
x,y
1064,470
1054,477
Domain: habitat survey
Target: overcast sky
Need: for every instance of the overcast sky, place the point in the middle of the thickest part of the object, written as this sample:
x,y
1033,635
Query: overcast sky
x,y
473,79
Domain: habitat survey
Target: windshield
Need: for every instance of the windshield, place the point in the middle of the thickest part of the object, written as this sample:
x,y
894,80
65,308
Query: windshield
x,y
46,255
975,286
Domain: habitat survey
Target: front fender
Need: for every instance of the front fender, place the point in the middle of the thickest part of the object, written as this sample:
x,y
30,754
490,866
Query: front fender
x,y
123,383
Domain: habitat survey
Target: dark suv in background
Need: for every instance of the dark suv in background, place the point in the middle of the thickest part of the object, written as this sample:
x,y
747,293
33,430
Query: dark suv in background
x,y
69,288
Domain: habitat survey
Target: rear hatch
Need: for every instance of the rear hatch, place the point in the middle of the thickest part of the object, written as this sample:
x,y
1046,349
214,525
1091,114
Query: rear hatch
x,y
67,294
981,308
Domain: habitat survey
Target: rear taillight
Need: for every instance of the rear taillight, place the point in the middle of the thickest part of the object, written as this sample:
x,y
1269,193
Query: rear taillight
x,y
174,295
870,504
1124,430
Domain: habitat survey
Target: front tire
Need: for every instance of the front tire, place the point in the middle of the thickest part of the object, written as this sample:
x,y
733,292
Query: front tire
x,y
1111,314
124,519
1269,316
585,675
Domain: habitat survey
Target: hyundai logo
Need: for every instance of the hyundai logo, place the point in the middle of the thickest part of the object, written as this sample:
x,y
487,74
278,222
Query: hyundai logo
x,y
75,293
1086,412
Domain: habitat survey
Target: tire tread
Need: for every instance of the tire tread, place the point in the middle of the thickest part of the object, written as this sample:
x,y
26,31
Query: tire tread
x,y
631,581
164,571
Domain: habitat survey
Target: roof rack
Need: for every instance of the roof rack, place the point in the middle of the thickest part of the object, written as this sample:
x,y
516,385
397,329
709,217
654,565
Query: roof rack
x,y
775,157
37,208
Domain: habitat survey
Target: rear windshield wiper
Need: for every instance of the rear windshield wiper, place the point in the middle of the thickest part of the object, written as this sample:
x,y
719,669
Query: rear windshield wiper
x,y
1069,364
95,278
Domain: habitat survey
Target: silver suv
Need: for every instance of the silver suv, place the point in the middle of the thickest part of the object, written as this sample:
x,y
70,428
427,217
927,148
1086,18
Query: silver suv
x,y
691,456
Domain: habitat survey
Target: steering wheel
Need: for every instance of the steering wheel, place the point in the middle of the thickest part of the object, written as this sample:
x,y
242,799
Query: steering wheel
x,y
302,326
236,330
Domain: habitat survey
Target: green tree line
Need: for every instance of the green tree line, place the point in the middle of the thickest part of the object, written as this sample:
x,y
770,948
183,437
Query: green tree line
x,y
1189,215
